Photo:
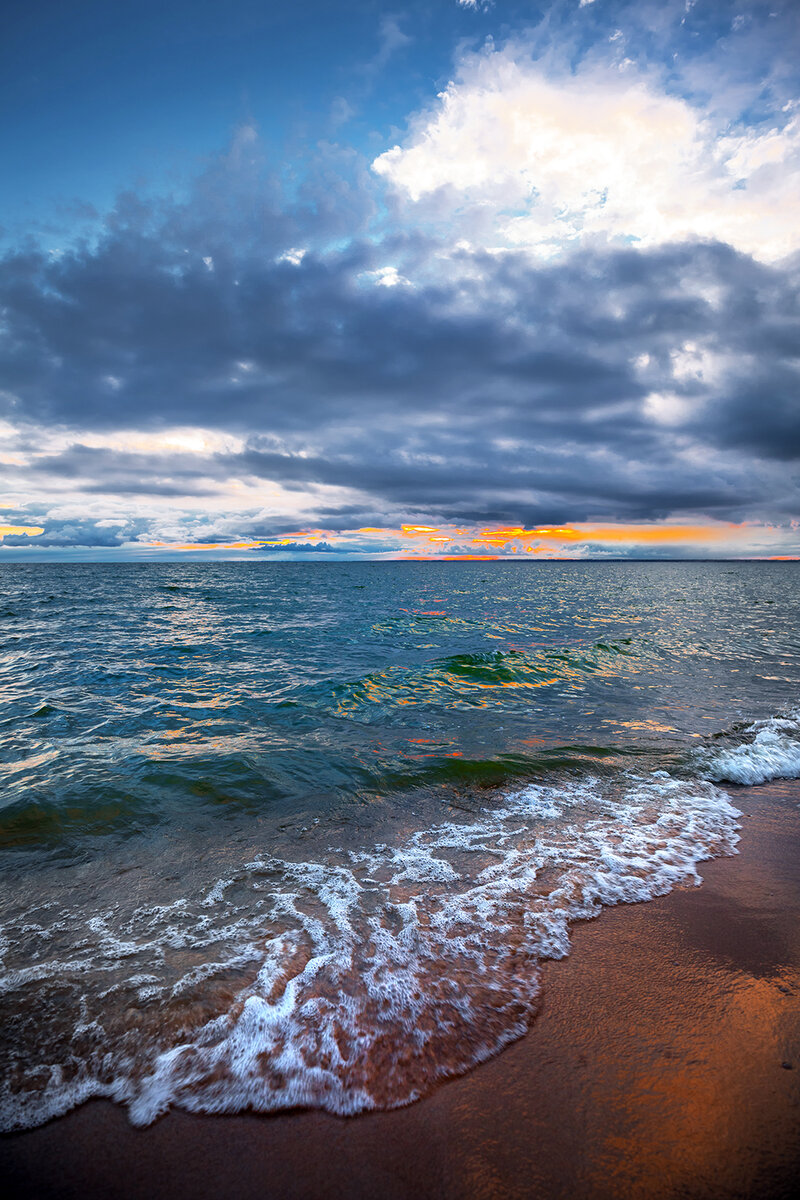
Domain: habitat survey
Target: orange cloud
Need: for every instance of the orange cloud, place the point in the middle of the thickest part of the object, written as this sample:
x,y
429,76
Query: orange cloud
x,y
417,530
515,533
630,534
659,533
28,530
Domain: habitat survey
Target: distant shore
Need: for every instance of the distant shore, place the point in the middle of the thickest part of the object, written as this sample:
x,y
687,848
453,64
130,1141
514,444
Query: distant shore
x,y
665,1062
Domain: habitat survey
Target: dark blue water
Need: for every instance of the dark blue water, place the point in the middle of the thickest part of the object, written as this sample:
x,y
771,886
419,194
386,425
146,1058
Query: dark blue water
x,y
282,833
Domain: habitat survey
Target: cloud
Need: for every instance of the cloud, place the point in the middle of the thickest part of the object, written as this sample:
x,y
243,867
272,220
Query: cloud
x,y
19,531
391,40
603,150
615,384
330,354
77,532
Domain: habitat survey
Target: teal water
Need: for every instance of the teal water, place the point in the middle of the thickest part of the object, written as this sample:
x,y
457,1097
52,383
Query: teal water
x,y
282,833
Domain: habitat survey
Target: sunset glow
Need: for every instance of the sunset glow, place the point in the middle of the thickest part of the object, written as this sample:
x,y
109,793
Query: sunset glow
x,y
459,544
521,288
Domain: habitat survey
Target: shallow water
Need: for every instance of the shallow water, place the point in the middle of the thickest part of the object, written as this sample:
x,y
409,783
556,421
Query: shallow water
x,y
279,833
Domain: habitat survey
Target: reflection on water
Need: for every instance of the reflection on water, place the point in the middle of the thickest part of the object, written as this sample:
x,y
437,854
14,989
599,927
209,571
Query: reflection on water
x,y
240,676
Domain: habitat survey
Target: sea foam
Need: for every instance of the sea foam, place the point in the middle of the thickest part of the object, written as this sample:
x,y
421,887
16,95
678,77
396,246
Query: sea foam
x,y
770,749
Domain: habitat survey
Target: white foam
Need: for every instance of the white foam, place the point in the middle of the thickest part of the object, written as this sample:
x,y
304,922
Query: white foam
x,y
771,750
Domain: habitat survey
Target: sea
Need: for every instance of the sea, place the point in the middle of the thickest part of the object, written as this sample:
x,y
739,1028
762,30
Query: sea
x,y
291,834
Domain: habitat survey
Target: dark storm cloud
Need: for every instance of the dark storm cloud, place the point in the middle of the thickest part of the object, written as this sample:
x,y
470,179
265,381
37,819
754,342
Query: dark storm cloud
x,y
491,390
471,491
763,413
119,473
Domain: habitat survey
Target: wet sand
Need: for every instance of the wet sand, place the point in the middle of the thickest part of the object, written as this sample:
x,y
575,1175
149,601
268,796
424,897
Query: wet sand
x,y
665,1062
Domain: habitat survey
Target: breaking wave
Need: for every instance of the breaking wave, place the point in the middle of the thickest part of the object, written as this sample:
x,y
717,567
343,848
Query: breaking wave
x,y
769,750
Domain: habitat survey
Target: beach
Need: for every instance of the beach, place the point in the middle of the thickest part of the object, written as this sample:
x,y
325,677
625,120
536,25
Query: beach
x,y
664,1062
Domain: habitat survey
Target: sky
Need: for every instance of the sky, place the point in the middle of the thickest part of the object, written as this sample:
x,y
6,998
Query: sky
x,y
452,278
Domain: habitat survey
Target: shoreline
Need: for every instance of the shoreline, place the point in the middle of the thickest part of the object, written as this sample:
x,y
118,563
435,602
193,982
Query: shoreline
x,y
664,1062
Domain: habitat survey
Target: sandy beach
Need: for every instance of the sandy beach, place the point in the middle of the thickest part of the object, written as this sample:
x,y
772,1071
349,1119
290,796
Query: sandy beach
x,y
664,1062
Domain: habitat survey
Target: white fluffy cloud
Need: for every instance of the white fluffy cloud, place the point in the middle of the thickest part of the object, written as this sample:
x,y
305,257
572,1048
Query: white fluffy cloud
x,y
604,151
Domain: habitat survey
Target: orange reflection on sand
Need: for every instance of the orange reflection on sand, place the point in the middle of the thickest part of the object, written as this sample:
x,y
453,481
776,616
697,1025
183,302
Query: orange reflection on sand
x,y
699,1096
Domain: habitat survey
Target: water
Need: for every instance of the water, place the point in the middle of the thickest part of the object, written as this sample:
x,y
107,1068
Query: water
x,y
280,834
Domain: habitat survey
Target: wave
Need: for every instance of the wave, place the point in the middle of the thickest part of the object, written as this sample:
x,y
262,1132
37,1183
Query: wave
x,y
462,681
146,794
351,983
770,749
